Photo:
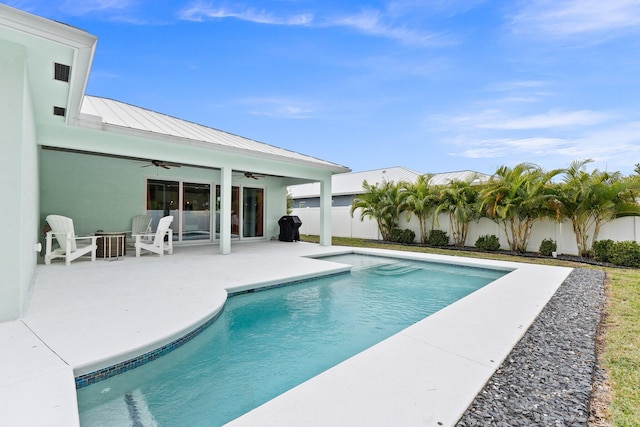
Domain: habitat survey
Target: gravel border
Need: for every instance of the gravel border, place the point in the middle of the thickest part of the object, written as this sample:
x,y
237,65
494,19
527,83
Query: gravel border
x,y
547,378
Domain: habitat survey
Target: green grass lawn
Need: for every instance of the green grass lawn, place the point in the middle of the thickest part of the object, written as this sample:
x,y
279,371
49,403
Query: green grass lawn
x,y
621,352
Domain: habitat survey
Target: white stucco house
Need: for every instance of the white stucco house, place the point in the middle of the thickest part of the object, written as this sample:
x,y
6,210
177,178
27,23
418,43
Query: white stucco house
x,y
101,161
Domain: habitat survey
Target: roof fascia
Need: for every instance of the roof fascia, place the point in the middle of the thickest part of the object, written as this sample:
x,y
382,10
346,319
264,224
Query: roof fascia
x,y
83,60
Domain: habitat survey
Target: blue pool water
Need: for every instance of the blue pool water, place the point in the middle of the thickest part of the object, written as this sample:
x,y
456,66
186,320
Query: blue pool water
x,y
265,343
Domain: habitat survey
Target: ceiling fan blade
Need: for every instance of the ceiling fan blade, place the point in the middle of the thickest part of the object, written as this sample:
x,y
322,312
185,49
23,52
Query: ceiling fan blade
x,y
253,175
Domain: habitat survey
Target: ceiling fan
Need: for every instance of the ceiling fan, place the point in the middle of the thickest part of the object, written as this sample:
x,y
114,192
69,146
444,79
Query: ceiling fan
x,y
161,164
253,175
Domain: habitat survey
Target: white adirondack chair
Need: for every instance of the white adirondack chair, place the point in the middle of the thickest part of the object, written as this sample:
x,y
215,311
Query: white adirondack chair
x,y
140,224
155,242
62,230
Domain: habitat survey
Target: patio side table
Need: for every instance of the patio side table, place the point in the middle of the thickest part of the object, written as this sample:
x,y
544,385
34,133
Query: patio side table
x,y
111,245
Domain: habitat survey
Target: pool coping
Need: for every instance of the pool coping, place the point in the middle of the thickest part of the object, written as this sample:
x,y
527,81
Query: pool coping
x,y
122,362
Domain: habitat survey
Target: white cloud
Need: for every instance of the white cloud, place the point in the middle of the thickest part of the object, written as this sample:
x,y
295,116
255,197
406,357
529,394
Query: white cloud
x,y
284,108
88,6
615,147
505,147
70,7
517,85
371,22
499,120
447,7
549,120
200,11
561,18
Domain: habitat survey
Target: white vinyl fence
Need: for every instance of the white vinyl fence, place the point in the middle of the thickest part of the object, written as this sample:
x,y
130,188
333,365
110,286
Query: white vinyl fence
x,y
343,225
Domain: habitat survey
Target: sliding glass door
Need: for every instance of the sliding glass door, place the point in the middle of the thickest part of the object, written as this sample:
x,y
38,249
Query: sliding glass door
x,y
252,212
235,212
163,199
247,222
189,204
196,211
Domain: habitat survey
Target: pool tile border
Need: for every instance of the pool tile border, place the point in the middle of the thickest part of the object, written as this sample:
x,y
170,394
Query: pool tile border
x,y
280,285
105,373
90,378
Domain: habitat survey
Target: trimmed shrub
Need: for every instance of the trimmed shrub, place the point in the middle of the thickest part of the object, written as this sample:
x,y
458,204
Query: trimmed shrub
x,y
602,250
438,238
488,242
403,236
626,254
547,246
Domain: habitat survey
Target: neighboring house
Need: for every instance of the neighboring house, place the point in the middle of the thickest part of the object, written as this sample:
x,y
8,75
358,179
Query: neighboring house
x,y
101,161
346,187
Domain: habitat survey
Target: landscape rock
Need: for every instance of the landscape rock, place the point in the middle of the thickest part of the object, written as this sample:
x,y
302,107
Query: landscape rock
x,y
547,378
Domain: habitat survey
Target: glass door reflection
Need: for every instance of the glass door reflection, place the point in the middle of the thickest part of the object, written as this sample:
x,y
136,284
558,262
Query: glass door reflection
x,y
235,212
163,199
196,211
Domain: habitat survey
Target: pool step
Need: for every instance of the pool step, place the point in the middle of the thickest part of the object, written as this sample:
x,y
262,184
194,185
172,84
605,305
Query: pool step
x,y
128,410
396,269
139,413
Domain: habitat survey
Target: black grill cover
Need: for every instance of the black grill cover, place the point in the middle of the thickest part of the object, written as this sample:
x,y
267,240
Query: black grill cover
x,y
289,228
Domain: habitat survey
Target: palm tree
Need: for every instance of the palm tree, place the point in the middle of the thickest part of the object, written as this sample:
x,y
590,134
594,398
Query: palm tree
x,y
516,197
381,202
460,200
419,199
590,200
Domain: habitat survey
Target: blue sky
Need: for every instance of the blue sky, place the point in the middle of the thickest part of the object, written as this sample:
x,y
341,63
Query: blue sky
x,y
433,86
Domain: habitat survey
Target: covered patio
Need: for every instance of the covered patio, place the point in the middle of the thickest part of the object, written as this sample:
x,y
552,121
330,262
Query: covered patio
x,y
102,162
92,315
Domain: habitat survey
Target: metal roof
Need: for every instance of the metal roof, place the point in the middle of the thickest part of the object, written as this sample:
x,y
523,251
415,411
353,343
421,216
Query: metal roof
x,y
351,183
446,177
118,114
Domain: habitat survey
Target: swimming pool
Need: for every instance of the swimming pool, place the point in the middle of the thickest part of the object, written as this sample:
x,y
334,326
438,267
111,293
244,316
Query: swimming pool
x,y
253,352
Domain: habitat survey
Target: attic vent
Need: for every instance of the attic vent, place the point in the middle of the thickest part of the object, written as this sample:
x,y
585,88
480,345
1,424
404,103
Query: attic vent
x,y
59,111
61,72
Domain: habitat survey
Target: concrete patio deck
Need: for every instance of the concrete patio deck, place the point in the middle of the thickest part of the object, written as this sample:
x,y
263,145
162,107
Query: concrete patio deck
x,y
92,315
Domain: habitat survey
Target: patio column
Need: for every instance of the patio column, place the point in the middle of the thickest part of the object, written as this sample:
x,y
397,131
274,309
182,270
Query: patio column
x,y
325,211
225,210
